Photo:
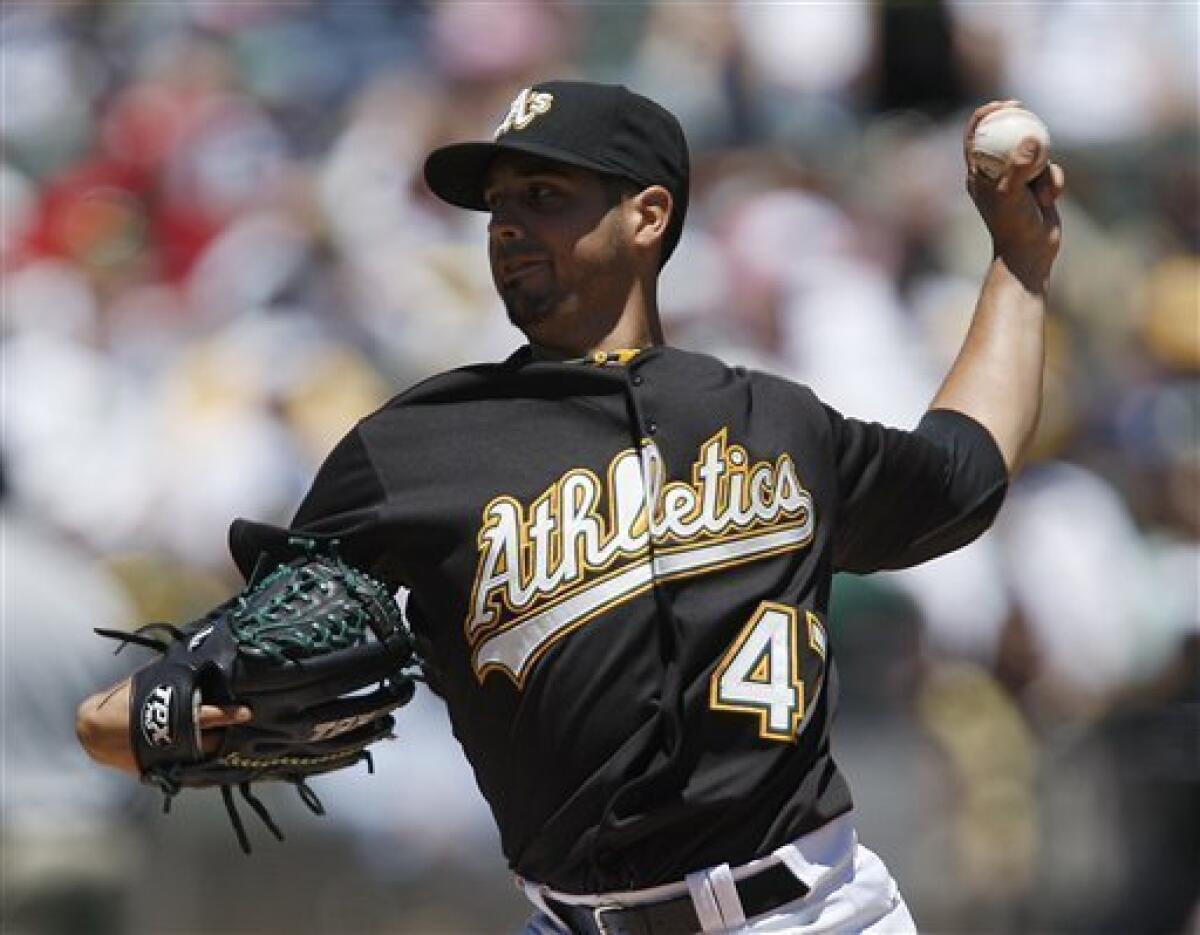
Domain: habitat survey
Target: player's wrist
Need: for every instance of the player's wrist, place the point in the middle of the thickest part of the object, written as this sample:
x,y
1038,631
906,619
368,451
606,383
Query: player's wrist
x,y
1021,270
102,728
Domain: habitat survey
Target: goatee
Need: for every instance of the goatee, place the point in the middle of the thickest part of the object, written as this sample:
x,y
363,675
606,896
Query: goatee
x,y
527,311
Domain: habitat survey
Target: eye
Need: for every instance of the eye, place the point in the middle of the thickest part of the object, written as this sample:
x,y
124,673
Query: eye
x,y
542,194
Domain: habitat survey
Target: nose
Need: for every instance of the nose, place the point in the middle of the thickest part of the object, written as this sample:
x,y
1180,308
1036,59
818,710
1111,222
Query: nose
x,y
504,225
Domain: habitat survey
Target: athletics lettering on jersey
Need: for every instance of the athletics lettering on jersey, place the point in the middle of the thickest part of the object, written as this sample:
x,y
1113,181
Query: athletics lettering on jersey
x,y
585,545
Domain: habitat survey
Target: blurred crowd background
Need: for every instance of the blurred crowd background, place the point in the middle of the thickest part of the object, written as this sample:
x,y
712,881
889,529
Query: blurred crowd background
x,y
218,253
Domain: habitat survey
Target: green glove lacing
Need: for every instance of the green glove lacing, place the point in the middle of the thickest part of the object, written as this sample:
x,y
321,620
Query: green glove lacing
x,y
271,629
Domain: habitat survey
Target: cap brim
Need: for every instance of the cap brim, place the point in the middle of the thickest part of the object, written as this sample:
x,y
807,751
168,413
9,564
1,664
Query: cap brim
x,y
458,173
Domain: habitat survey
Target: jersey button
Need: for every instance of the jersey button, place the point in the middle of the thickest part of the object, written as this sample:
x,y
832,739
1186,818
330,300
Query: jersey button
x,y
636,379
652,427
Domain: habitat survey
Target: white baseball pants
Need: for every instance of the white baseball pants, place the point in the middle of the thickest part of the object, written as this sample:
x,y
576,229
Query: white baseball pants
x,y
850,892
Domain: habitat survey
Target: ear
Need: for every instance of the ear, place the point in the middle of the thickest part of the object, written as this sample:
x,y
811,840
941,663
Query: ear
x,y
651,213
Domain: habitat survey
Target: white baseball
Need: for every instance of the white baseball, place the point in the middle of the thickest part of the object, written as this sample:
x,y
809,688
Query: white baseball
x,y
999,135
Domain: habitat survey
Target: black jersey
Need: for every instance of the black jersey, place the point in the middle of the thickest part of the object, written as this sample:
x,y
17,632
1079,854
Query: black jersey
x,y
620,576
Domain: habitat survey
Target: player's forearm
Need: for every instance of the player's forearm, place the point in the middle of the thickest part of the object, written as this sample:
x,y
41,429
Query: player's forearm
x,y
997,377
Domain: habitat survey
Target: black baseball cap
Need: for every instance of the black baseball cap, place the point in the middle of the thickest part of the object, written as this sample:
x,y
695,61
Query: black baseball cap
x,y
602,127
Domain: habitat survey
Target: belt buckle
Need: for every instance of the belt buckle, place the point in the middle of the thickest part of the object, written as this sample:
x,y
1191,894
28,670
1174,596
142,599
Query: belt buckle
x,y
598,913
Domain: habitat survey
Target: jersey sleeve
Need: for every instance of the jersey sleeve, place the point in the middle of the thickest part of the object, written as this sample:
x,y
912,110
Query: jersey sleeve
x,y
344,503
909,496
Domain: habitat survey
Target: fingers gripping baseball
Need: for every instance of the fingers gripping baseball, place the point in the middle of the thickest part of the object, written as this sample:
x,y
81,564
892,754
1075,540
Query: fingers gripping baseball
x,y
1015,188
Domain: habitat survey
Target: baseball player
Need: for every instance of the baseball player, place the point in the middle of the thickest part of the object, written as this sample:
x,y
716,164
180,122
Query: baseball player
x,y
620,553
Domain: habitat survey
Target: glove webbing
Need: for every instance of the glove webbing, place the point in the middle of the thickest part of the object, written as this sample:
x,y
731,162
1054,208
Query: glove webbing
x,y
269,631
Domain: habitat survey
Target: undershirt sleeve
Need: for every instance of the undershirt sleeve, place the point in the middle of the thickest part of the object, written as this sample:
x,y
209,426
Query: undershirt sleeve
x,y
907,497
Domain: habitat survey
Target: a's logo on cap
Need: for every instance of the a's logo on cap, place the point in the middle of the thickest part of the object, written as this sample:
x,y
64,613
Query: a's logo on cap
x,y
526,106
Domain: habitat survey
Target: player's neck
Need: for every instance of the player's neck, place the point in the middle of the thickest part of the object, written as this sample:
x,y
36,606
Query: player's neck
x,y
638,326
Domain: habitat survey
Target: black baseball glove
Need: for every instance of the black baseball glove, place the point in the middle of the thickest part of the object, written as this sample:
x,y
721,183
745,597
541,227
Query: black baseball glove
x,y
316,649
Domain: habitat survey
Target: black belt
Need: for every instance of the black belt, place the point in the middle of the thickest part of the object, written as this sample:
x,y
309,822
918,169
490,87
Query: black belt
x,y
759,893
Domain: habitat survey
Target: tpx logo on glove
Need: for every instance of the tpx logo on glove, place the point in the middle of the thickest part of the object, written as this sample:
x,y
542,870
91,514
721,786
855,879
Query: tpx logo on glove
x,y
156,716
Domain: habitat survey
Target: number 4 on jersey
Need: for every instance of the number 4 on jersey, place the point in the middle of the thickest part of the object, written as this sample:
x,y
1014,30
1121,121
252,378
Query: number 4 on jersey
x,y
761,672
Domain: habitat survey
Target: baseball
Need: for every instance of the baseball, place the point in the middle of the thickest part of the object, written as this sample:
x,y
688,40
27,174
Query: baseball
x,y
999,135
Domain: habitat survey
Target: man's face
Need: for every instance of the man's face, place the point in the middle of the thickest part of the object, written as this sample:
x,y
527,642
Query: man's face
x,y
559,251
